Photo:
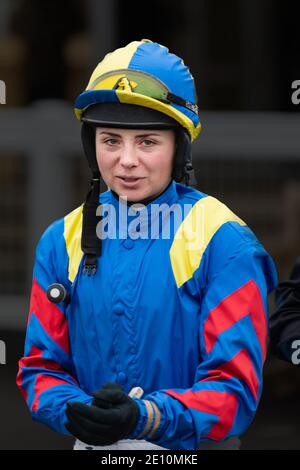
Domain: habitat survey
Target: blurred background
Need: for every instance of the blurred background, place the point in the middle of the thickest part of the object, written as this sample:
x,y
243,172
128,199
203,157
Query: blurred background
x,y
244,57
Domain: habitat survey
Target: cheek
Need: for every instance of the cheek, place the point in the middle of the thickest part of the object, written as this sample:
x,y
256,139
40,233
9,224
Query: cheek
x,y
105,168
162,162
105,162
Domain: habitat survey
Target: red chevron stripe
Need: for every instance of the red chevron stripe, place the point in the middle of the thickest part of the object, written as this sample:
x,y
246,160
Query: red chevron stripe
x,y
35,360
222,404
43,383
51,318
241,367
244,301
19,382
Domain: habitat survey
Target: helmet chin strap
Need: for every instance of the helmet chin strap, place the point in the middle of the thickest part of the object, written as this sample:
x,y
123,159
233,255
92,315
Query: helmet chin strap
x,y
90,243
183,170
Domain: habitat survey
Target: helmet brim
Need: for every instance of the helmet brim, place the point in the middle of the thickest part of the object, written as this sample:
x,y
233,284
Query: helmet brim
x,y
129,116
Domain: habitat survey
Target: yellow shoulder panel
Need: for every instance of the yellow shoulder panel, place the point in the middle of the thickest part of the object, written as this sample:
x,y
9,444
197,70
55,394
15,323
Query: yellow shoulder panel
x,y
194,235
72,235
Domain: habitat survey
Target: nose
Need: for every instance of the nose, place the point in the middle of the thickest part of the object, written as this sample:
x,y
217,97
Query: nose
x,y
128,156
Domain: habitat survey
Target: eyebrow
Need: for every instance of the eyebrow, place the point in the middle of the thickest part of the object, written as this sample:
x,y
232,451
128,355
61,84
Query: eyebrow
x,y
119,135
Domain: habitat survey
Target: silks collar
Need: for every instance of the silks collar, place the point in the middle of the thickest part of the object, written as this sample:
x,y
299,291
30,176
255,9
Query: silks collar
x,y
145,214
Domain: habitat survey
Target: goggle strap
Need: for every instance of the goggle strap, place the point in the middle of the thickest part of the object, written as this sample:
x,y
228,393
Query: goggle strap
x,y
182,102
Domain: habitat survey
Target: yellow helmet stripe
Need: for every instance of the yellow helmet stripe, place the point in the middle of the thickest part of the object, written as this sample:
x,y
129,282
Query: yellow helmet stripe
x,y
119,59
136,98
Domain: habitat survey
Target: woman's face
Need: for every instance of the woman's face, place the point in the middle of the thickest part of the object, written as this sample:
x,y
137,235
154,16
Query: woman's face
x,y
136,164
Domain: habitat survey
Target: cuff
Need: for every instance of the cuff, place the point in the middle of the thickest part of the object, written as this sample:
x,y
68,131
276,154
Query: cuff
x,y
150,423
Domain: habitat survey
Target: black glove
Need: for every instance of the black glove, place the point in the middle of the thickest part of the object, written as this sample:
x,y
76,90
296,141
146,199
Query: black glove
x,y
112,416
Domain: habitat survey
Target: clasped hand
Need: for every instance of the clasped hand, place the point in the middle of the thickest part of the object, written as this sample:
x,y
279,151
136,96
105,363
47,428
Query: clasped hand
x,y
112,416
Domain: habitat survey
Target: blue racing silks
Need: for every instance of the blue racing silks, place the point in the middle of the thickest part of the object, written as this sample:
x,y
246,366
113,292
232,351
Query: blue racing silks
x,y
184,316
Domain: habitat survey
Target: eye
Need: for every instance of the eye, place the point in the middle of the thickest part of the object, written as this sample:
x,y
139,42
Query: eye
x,y
147,142
111,141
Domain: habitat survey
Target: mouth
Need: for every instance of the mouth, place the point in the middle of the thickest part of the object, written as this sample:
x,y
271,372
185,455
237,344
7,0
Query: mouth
x,y
130,180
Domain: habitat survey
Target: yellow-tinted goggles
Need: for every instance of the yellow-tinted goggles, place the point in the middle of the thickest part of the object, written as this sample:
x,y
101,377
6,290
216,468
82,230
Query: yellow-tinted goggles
x,y
141,83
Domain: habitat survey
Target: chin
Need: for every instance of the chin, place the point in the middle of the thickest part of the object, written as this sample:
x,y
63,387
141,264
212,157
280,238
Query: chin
x,y
134,196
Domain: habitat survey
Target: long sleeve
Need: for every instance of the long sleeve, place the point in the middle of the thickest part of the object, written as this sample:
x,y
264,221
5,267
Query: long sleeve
x,y
233,334
46,375
285,321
